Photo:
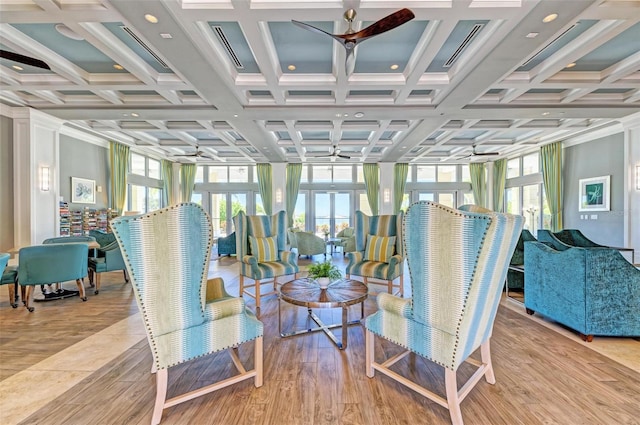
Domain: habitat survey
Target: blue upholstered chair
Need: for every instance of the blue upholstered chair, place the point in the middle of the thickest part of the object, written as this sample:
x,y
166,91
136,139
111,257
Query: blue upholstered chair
x,y
378,251
268,258
515,279
103,238
107,259
52,263
309,244
167,255
10,278
457,263
594,291
227,245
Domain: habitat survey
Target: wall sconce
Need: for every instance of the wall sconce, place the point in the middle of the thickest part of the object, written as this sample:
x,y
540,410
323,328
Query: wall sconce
x,y
278,195
637,177
386,196
44,179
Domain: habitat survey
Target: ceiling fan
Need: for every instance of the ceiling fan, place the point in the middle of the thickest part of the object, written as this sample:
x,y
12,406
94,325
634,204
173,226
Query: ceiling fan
x,y
197,154
16,57
351,39
334,153
474,153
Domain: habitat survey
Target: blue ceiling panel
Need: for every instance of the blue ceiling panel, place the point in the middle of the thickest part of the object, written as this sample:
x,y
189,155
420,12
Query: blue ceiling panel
x,y
315,135
355,135
309,52
239,45
457,36
116,29
613,51
203,135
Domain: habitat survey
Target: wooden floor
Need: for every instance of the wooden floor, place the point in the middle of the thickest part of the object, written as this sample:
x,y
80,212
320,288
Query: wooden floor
x,y
542,376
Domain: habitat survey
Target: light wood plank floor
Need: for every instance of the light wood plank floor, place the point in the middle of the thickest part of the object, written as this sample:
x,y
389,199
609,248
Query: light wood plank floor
x,y
71,362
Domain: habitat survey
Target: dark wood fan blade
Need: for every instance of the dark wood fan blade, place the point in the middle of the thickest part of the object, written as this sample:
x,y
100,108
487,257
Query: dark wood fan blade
x,y
343,156
385,24
317,30
485,153
16,57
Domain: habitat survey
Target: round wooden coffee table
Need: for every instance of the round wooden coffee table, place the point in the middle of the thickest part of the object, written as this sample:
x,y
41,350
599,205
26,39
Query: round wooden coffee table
x,y
340,294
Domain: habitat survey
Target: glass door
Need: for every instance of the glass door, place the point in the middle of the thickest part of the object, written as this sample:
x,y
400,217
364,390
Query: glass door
x,y
332,212
447,198
222,208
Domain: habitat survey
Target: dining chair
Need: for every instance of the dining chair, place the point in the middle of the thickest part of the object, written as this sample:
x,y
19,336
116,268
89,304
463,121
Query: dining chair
x,y
457,264
10,278
167,254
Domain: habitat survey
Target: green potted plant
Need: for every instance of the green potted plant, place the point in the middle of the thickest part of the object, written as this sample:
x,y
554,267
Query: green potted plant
x,y
324,273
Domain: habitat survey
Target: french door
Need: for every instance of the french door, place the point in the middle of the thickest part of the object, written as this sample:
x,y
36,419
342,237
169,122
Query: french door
x,y
331,212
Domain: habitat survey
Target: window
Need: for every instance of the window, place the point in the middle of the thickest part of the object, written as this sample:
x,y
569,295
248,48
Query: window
x,y
426,173
321,174
512,200
154,169
199,174
299,211
138,164
239,174
531,207
218,175
144,184
530,164
447,173
138,199
513,168
466,174
154,198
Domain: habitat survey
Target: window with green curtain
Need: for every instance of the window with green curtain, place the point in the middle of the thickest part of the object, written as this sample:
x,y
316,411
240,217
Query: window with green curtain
x,y
293,176
372,185
187,180
499,180
265,183
552,178
167,181
400,172
119,164
478,183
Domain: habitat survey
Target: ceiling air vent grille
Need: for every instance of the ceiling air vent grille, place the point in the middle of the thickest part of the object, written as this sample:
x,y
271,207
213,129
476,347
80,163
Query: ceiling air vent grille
x,y
548,45
463,46
144,46
225,42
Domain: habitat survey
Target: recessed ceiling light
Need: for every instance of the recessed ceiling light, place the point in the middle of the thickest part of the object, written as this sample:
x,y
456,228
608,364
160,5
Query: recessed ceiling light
x,y
550,18
291,67
345,115
394,66
17,68
118,67
359,114
150,18
235,115
165,35
135,115
68,32
571,65
544,114
532,35
124,114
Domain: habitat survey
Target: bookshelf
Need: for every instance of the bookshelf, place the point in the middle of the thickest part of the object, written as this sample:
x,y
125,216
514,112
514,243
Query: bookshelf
x,y
80,222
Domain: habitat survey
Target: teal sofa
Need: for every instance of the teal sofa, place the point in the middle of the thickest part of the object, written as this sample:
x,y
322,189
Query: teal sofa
x,y
594,291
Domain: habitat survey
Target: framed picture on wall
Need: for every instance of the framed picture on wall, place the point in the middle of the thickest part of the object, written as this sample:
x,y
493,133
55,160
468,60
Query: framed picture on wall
x,y
83,191
594,194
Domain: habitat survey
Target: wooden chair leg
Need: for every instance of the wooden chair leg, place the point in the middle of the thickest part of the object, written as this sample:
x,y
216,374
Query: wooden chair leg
x,y
126,275
369,354
91,278
27,298
257,294
161,395
241,294
453,400
401,285
12,295
485,355
83,297
97,284
257,361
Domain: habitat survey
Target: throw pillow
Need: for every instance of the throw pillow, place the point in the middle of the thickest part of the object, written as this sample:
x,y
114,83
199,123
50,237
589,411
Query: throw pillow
x,y
266,249
380,248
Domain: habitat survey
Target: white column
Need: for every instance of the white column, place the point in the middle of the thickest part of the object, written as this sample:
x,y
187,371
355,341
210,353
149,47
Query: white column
x,y
632,199
36,148
279,181
386,188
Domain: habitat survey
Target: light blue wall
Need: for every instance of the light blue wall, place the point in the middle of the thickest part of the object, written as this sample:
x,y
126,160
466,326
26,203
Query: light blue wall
x,y
87,161
6,183
600,157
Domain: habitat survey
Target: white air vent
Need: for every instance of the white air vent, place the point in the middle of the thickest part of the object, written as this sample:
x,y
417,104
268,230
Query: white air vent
x,y
225,42
463,46
144,46
548,45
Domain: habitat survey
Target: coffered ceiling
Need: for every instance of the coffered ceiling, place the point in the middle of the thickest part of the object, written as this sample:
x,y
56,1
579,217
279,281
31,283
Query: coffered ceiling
x,y
238,81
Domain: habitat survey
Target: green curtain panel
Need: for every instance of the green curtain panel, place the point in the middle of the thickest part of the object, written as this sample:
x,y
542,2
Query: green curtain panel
x,y
400,173
478,183
119,163
293,175
552,178
372,185
265,183
499,180
187,180
167,182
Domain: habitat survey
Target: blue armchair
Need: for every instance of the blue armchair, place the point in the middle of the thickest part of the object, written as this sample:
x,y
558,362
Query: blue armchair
x,y
378,251
594,291
107,259
52,263
227,245
458,263
309,244
515,279
167,254
10,277
268,259
103,238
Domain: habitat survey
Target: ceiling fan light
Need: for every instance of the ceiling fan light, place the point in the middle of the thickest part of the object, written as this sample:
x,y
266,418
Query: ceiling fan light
x,y
550,18
150,18
68,32
394,66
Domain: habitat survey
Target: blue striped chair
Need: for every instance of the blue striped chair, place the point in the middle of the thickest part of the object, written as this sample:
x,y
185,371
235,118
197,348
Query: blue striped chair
x,y
166,253
383,259
457,263
272,259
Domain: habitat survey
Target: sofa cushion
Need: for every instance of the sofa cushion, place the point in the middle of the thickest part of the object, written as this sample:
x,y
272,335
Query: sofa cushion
x,y
266,249
380,248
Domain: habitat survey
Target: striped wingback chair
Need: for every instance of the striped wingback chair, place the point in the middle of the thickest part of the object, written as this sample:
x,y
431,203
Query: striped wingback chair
x,y
166,253
457,264
378,251
268,258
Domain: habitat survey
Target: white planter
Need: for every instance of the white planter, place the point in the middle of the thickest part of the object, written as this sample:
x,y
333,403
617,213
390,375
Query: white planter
x,y
323,282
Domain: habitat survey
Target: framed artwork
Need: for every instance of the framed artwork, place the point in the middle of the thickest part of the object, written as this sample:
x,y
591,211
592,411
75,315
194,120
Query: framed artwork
x,y
594,194
83,191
